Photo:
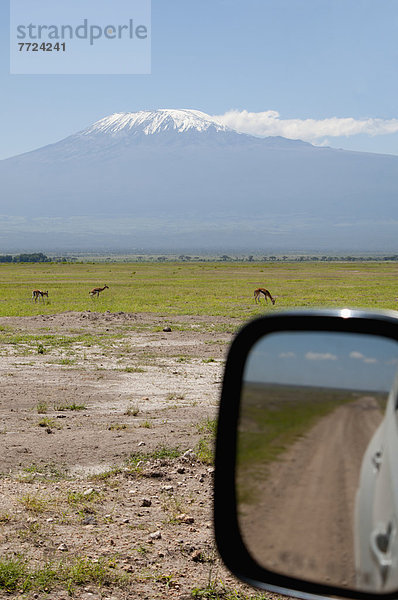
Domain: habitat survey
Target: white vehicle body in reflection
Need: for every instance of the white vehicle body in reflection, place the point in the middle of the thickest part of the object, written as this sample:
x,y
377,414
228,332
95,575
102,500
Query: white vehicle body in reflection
x,y
376,510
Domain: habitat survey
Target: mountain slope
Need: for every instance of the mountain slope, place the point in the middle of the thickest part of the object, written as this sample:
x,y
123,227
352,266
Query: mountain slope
x,y
171,178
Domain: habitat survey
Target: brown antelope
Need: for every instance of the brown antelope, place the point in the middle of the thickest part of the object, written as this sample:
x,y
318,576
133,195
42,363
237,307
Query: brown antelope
x,y
96,291
266,293
37,294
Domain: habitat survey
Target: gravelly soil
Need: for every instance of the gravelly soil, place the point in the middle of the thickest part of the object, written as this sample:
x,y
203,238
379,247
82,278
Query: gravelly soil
x,y
73,409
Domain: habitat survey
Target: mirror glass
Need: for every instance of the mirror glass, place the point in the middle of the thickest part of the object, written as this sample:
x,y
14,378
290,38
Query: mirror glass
x,y
317,458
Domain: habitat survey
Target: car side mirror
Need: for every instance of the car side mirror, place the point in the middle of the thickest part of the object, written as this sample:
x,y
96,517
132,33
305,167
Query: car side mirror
x,y
306,479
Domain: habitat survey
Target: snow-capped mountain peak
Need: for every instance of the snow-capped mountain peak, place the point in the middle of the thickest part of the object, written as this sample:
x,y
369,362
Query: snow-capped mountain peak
x,y
158,121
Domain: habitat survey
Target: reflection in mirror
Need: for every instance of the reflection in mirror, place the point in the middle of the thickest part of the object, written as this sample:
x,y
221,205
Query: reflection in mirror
x,y
317,458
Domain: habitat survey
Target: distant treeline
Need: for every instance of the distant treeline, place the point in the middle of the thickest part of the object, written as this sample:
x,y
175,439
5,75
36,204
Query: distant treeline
x,y
269,258
303,258
35,257
39,257
255,258
331,258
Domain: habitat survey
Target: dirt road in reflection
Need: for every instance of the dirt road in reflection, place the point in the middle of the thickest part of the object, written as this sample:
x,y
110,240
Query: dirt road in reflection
x,y
303,522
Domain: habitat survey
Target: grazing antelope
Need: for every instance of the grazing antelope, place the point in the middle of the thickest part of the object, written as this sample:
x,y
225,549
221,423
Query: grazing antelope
x,y
37,294
96,291
266,295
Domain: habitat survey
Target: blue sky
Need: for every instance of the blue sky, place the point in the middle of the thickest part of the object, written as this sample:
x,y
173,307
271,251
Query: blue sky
x,y
283,66
340,360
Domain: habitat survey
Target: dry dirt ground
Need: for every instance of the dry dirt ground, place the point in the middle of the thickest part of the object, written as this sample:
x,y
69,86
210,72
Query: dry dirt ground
x,y
105,437
307,502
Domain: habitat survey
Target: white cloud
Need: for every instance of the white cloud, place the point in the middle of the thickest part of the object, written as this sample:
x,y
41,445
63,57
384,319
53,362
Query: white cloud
x,y
320,356
360,356
270,123
287,355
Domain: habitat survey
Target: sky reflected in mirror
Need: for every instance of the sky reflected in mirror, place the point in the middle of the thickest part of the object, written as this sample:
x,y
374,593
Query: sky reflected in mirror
x,y
329,359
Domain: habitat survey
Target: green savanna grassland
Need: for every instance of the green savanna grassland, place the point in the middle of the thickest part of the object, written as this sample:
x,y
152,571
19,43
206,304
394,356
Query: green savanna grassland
x,y
202,288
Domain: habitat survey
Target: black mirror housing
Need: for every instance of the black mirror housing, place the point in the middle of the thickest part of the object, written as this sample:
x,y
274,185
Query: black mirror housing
x,y
231,544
